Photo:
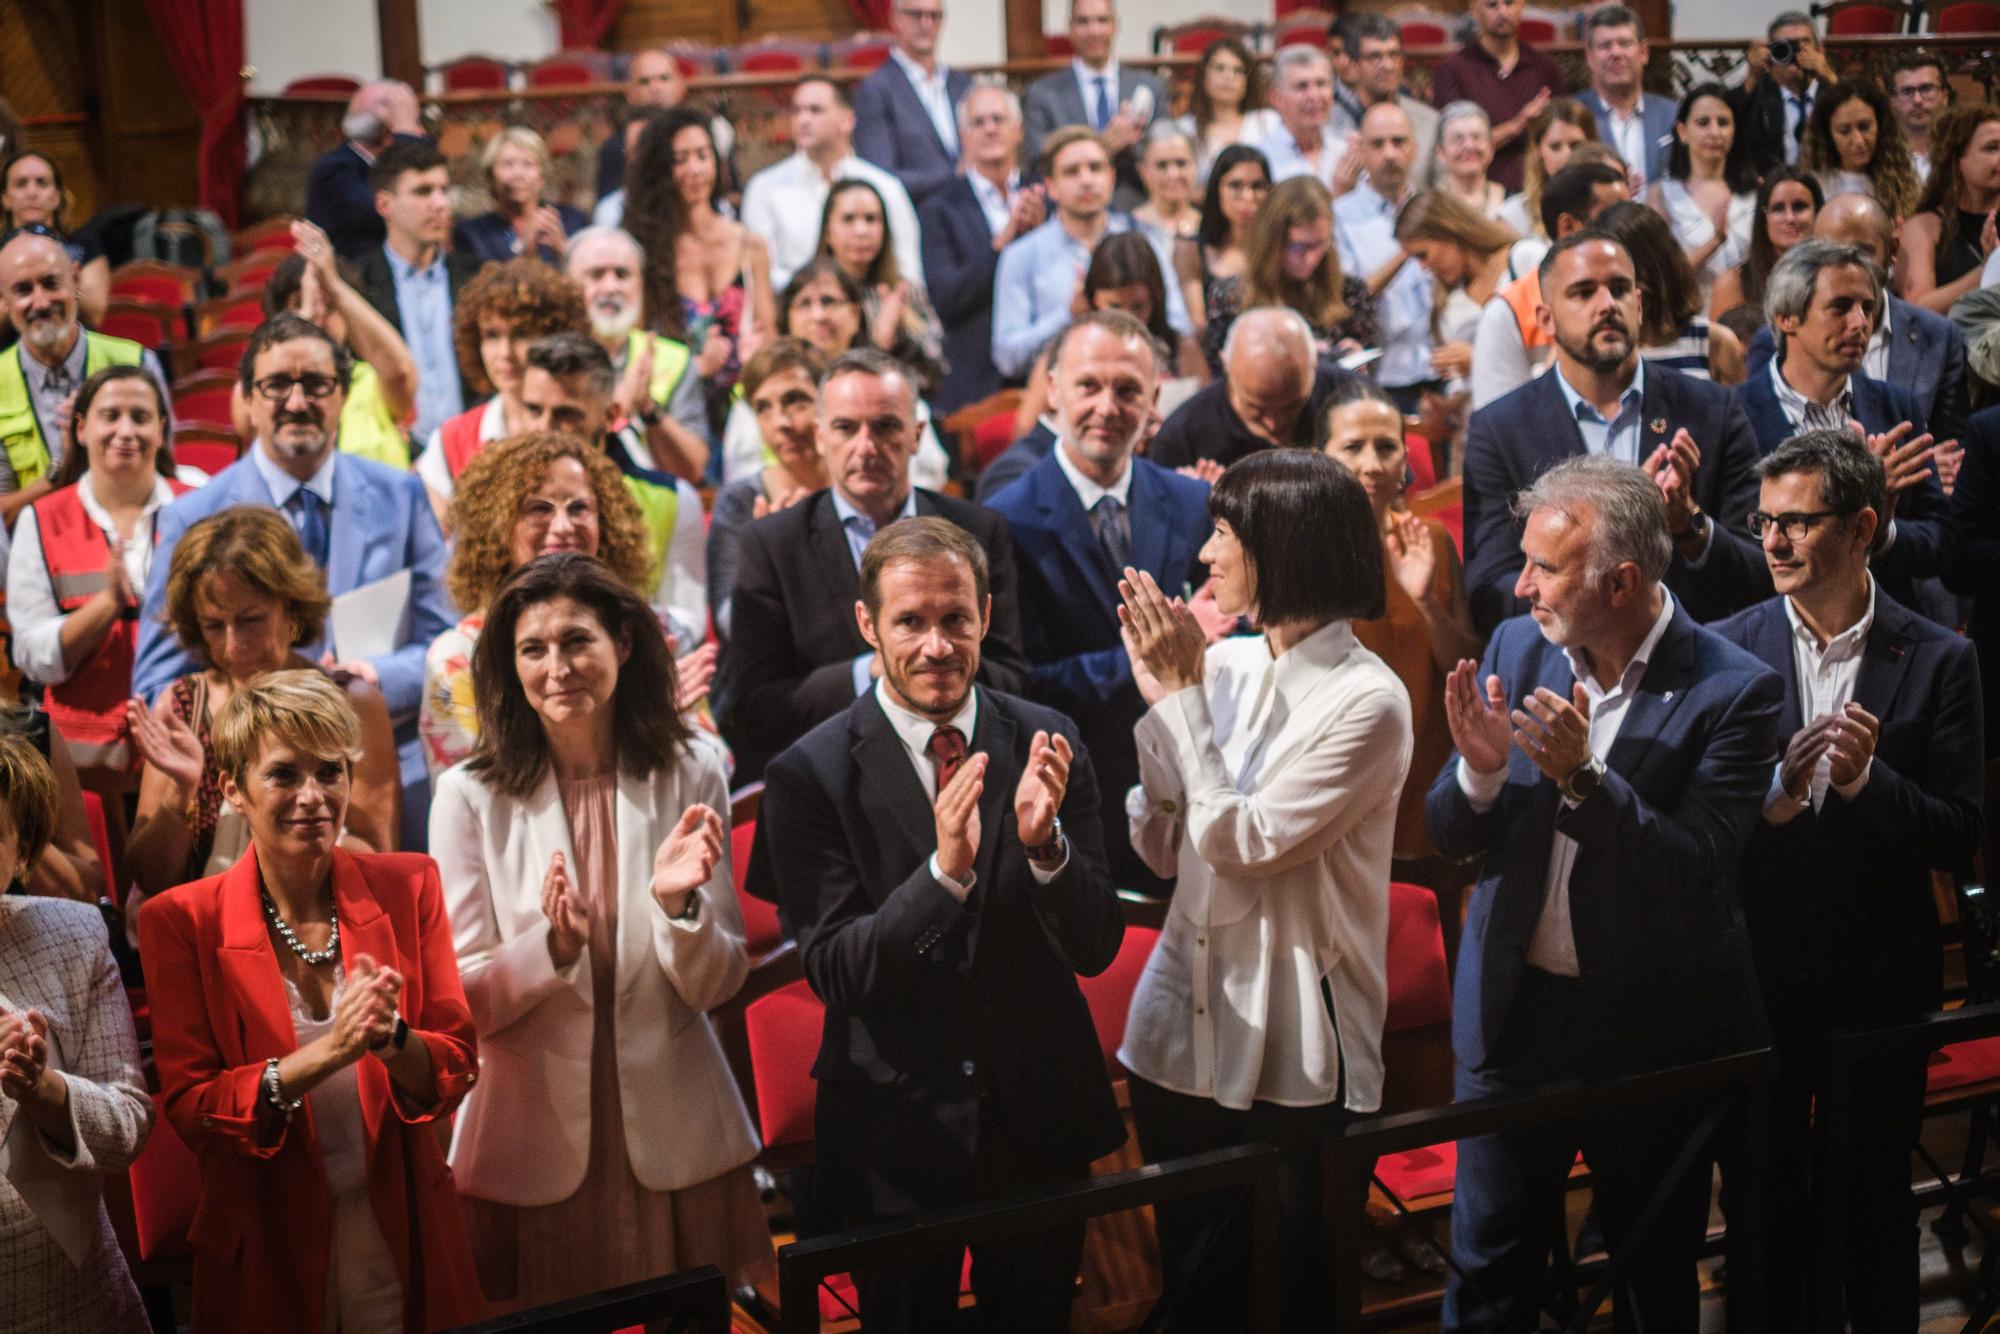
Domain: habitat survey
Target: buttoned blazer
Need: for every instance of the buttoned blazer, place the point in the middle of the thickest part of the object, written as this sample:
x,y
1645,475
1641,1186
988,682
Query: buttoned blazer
x,y
263,1231
1656,116
1653,892
523,1137
1517,437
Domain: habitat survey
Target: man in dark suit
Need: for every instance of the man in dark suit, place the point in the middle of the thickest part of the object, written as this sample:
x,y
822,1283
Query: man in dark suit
x,y
1099,94
413,280
1637,124
965,225
1273,391
1078,518
796,656
906,112
936,846
1975,572
1823,300
1601,398
1606,815
1015,462
339,197
1878,787
1775,102
1918,349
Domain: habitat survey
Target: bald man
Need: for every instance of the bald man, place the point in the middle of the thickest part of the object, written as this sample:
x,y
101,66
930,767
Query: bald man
x,y
40,373
1913,347
654,80
1273,389
338,195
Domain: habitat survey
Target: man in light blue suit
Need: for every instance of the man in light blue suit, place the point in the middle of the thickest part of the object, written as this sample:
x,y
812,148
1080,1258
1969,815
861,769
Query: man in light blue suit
x,y
359,520
1638,124
906,112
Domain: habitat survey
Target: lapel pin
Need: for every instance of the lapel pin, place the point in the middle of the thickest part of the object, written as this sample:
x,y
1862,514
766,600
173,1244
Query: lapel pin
x,y
1666,696
1659,426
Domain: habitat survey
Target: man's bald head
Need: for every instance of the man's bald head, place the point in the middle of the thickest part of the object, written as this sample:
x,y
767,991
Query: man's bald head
x,y
1267,364
1857,220
1388,148
38,280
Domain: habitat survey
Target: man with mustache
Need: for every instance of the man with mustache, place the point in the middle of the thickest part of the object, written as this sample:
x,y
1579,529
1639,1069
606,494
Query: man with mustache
x,y
1601,399
659,390
937,849
40,375
796,656
1823,301
360,521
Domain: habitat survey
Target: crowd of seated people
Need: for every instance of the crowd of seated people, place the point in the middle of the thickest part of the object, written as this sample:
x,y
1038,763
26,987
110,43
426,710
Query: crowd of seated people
x,y
1576,502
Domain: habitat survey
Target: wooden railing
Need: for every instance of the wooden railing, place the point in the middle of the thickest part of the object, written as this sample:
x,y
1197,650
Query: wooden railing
x,y
291,131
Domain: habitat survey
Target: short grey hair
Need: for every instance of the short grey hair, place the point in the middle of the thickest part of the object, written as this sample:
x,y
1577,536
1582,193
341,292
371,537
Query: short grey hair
x,y
1292,57
1292,329
1165,130
996,84
1627,519
1794,278
597,231
1791,18
1611,16
1462,110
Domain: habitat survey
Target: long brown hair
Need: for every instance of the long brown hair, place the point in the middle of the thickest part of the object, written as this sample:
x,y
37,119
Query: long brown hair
x,y
1298,202
1563,110
1951,136
657,216
1200,107
648,733
1890,172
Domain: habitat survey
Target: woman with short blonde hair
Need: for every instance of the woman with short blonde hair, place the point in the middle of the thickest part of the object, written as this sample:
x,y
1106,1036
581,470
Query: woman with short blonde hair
x,y
517,166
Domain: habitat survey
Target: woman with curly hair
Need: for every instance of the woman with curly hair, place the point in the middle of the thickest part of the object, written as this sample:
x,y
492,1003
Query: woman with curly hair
x,y
1947,239
497,317
526,497
1290,259
1854,144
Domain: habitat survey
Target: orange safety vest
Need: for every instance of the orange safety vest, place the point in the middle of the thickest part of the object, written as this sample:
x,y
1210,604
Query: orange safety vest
x,y
88,708
1524,297
459,437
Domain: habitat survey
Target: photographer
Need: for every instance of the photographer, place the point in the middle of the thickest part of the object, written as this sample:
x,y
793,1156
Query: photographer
x,y
1775,102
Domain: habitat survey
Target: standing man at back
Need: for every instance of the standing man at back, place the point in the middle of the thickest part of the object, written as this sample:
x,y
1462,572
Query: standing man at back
x,y
1636,123
1098,93
1373,45
340,198
1509,79
906,112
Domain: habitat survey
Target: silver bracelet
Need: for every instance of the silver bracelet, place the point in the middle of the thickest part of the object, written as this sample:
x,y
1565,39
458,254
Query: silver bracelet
x,y
274,1092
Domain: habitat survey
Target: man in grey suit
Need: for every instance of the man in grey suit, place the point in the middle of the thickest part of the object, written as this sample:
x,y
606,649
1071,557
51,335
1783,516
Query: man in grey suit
x,y
1639,124
906,112
1097,93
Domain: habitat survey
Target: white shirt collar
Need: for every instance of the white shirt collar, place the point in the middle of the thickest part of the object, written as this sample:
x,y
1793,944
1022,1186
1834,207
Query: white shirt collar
x,y
914,730
283,485
1848,643
916,71
1304,663
162,494
1792,401
1090,492
1087,77
1635,668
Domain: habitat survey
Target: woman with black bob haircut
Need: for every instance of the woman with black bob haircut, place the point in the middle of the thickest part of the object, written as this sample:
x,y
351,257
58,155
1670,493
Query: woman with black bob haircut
x,y
1270,769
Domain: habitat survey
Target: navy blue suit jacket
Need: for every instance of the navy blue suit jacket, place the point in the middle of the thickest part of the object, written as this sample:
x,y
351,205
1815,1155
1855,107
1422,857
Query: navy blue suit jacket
x,y
1839,901
1514,439
1653,898
1924,546
959,260
489,237
341,202
1656,113
893,129
1926,356
1014,462
1975,572
1069,607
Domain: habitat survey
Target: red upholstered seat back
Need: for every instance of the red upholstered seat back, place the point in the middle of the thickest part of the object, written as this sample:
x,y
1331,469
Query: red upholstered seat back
x,y
1419,984
784,1031
1109,994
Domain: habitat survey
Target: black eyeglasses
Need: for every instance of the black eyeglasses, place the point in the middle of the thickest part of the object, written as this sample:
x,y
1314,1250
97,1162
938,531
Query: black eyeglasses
x,y
278,388
1794,524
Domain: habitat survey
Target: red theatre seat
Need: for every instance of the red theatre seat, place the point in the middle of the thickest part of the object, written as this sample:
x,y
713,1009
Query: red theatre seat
x,y
784,1030
1539,31
323,85
161,284
1970,16
475,74
1419,985
144,322
561,72
1863,21
1425,32
1109,994
210,457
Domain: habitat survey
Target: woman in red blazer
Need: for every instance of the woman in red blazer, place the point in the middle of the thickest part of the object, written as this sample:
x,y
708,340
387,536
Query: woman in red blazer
x,y
308,1026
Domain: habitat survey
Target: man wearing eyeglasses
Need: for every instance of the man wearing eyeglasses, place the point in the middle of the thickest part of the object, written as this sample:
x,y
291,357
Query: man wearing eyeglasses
x,y
360,521
1918,91
40,375
1877,787
906,112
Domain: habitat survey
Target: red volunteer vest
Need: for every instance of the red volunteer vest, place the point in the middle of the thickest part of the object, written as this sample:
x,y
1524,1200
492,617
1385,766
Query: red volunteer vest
x,y
460,438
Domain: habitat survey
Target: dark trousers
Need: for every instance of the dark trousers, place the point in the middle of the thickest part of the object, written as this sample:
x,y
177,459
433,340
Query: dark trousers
x,y
1508,1205
1216,1230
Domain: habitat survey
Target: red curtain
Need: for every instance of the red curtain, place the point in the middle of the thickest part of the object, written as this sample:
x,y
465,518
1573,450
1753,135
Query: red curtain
x,y
874,14
586,23
204,43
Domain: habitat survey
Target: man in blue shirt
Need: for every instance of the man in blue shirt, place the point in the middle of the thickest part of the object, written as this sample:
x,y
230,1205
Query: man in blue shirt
x,y
1038,286
1365,220
412,280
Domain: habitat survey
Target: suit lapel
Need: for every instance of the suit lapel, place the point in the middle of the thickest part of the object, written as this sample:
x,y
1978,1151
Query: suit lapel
x,y
1767,418
354,496
1070,522
1884,658
828,543
1656,415
1152,522
892,796
364,929
1771,642
994,735
913,106
1668,676
247,961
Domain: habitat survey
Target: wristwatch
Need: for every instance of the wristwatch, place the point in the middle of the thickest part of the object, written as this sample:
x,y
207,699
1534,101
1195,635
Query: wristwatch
x,y
652,412
1696,529
399,1037
1051,851
1583,781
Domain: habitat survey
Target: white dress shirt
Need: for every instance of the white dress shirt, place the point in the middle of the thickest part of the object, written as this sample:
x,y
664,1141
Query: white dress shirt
x,y
1798,107
783,204
1628,135
1806,415
858,528
1620,438
1875,362
1553,946
995,203
930,90
1089,492
1826,677
1288,158
37,618
1271,789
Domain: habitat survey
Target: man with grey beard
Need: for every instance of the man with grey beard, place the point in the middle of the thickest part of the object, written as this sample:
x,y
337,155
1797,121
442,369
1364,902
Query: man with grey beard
x,y
39,376
338,195
659,383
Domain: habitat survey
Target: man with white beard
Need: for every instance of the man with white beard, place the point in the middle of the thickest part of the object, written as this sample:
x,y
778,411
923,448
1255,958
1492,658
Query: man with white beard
x,y
41,374
659,383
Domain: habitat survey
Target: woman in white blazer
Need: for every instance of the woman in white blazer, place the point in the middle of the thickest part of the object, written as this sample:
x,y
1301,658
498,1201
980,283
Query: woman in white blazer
x,y
586,873
1269,773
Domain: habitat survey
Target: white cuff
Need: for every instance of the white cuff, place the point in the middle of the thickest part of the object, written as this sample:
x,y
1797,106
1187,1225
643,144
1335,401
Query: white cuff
x,y
1482,790
952,887
1780,806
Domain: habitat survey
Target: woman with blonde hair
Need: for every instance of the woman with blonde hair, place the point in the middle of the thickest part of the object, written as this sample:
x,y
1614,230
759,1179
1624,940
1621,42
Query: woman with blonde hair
x,y
243,598
516,165
1290,259
1552,136
1467,256
1854,144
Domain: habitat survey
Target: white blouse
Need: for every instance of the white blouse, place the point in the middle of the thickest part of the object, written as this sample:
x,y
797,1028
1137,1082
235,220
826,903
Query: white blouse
x,y
1693,228
1271,790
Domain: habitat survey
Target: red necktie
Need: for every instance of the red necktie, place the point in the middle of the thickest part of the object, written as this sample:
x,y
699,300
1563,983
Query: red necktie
x,y
947,750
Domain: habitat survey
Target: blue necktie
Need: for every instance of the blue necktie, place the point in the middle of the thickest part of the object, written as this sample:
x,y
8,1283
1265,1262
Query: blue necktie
x,y
1103,112
311,523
